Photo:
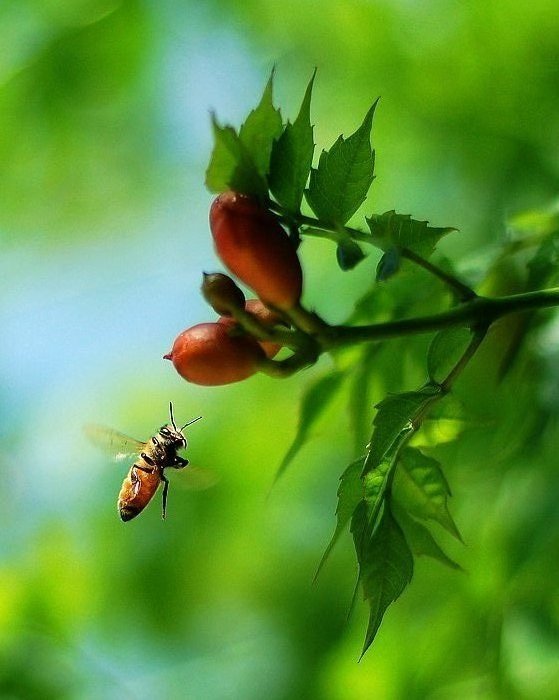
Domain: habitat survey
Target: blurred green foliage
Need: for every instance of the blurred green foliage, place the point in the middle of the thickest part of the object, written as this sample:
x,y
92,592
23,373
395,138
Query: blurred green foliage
x,y
104,132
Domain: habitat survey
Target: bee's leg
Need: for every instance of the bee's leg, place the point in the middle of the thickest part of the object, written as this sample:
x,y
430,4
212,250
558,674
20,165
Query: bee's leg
x,y
179,463
165,492
145,469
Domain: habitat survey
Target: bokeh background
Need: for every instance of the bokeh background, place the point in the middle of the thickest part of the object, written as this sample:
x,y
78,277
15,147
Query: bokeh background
x,y
104,139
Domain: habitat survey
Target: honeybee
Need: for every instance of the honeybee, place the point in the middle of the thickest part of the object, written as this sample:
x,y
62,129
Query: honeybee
x,y
154,456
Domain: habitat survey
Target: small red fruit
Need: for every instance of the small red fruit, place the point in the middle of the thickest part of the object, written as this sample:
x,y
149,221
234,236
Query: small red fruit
x,y
266,316
222,293
206,354
252,244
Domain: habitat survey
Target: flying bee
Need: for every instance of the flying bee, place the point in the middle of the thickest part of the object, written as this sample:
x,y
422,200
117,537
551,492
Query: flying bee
x,y
154,456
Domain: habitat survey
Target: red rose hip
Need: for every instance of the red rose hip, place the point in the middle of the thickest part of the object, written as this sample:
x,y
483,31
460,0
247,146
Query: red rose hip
x,y
253,246
206,354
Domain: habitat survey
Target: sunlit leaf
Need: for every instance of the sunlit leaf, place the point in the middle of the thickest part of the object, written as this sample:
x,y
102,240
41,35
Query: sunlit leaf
x,y
385,564
262,126
391,230
344,175
231,165
316,400
291,157
446,348
350,493
421,488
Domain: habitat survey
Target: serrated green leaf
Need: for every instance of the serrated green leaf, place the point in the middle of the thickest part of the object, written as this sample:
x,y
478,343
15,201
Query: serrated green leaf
x,y
350,493
385,564
231,165
388,265
397,415
348,254
421,541
344,175
421,488
260,129
446,348
391,230
316,399
291,157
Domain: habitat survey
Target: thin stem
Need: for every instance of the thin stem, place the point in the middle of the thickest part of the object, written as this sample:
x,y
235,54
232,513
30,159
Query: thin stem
x,y
306,321
479,312
463,292
469,352
285,368
252,326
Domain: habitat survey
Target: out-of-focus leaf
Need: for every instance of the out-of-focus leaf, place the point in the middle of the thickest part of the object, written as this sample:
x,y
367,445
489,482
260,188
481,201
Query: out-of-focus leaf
x,y
421,488
385,564
348,254
262,126
388,265
291,157
231,165
350,493
359,400
543,270
445,350
344,175
536,221
391,230
421,541
316,399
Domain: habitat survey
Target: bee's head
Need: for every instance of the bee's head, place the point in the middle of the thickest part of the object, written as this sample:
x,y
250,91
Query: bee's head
x,y
174,434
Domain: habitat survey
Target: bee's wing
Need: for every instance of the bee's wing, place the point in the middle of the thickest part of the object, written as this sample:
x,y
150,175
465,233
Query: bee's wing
x,y
195,478
113,443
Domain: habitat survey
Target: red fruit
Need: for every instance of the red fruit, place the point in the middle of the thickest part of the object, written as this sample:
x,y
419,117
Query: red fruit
x,y
205,354
266,316
222,293
251,243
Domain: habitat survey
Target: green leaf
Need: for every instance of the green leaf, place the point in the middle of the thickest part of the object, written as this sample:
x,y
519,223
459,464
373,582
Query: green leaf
x,y
359,393
388,265
231,165
421,541
344,175
397,416
385,564
315,402
421,488
348,254
262,126
350,493
446,348
291,158
391,230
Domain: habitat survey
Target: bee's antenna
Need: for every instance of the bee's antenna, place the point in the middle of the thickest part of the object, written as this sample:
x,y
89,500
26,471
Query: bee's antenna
x,y
190,422
171,414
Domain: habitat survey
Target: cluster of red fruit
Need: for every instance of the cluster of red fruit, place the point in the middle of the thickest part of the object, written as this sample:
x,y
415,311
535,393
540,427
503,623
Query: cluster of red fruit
x,y
254,247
